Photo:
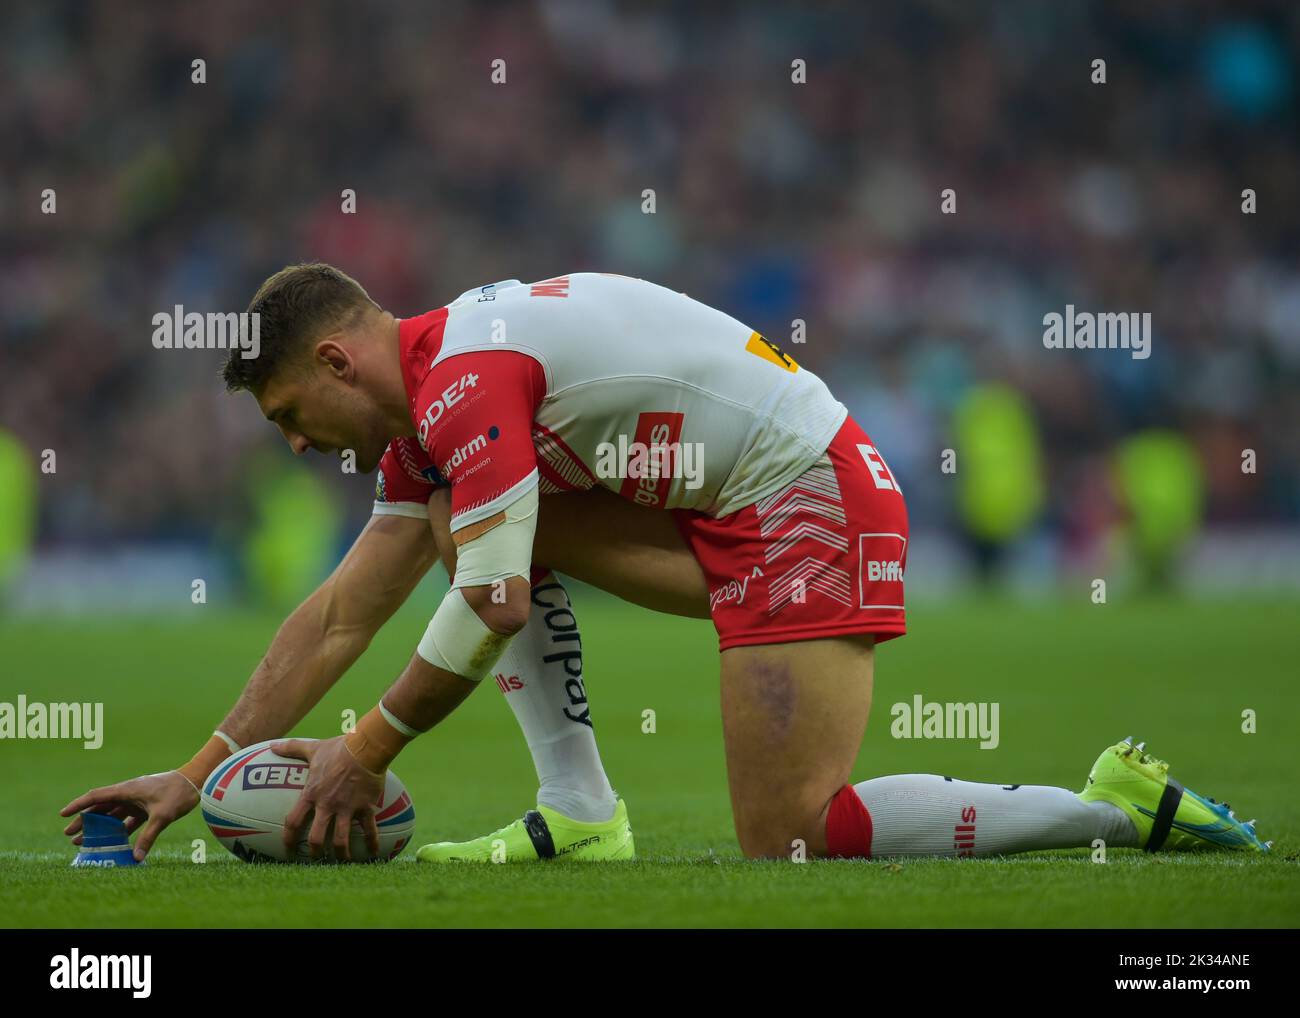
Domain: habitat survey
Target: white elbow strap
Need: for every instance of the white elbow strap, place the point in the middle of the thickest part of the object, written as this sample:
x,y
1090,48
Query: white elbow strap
x,y
459,642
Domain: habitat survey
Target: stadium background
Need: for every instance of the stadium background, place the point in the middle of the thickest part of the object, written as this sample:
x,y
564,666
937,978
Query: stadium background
x,y
775,201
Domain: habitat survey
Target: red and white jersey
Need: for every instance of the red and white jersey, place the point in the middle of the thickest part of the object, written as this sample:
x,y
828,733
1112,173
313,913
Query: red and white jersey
x,y
602,379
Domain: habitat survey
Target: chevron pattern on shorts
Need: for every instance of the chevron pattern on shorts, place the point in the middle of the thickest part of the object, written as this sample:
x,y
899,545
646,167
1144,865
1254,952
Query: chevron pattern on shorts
x,y
808,509
810,575
808,529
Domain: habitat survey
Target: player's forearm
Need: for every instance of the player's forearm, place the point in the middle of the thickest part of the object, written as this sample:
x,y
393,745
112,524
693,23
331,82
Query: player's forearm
x,y
324,636
420,698
308,655
424,694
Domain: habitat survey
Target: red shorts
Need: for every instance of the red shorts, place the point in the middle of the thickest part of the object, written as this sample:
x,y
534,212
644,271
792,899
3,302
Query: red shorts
x,y
823,556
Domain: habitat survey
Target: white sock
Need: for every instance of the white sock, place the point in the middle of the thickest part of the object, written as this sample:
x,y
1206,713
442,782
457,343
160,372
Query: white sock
x,y
541,676
926,814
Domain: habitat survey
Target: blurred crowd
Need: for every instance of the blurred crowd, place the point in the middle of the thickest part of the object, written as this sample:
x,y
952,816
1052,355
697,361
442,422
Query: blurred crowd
x,y
774,201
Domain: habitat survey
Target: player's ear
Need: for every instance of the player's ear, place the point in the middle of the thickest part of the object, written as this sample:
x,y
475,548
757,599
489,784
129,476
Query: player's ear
x,y
331,353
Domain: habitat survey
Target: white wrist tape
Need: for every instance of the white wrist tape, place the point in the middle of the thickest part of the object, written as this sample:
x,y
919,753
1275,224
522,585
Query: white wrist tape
x,y
234,746
459,642
504,551
397,722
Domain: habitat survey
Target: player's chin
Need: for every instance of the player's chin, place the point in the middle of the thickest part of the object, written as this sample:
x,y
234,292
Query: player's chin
x,y
368,459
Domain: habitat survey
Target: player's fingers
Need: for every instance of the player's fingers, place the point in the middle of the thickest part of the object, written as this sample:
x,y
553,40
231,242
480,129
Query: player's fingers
x,y
92,798
91,807
319,830
298,749
127,814
343,836
144,841
294,821
371,829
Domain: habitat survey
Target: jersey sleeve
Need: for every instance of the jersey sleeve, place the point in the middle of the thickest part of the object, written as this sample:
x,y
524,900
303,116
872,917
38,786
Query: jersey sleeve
x,y
405,481
474,417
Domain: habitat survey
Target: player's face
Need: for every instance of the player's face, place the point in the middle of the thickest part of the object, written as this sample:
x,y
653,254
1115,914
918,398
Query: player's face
x,y
319,411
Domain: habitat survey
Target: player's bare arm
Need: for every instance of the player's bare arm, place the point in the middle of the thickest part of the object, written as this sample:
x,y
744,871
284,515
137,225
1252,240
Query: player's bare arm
x,y
316,644
332,628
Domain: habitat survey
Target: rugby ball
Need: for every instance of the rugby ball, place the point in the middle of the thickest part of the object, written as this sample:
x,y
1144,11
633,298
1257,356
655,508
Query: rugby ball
x,y
246,799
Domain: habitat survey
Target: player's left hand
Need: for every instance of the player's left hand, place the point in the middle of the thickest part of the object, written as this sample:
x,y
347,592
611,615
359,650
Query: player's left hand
x,y
339,790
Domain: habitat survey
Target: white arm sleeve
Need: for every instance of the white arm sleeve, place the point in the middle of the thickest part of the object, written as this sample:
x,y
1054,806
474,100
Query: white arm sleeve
x,y
504,551
457,640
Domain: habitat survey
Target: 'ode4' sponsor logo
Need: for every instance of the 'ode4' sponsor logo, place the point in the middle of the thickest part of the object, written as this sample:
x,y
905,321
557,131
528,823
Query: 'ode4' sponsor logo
x,y
447,399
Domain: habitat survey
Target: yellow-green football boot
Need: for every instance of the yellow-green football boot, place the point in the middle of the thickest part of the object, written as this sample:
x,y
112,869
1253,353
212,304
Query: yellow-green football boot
x,y
542,834
1168,817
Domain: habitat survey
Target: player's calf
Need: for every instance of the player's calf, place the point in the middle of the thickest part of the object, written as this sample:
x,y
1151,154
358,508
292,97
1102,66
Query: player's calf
x,y
793,717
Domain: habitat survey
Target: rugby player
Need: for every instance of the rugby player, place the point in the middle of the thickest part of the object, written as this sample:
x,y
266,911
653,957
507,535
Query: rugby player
x,y
626,435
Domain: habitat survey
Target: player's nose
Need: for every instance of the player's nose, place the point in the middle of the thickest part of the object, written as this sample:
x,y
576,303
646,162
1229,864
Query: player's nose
x,y
298,443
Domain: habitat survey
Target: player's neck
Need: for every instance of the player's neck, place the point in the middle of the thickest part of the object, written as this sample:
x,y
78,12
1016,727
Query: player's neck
x,y
391,395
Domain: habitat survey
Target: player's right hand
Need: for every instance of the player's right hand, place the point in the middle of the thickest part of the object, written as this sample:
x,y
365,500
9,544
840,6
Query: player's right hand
x,y
154,800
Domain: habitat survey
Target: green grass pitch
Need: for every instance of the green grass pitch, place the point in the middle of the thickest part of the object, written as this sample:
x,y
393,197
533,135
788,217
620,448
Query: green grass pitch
x,y
1070,681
